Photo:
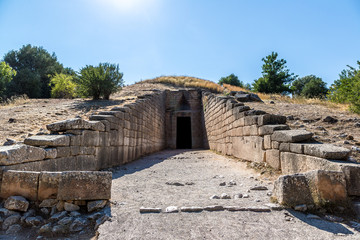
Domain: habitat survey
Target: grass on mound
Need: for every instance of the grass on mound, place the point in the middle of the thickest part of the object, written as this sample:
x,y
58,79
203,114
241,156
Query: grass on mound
x,y
184,81
295,100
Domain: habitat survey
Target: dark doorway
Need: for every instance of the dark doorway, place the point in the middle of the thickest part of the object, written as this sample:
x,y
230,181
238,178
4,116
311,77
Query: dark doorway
x,y
183,133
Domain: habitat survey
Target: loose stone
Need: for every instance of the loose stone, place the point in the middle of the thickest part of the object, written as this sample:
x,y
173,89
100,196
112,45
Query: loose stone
x,y
101,221
246,196
45,211
11,220
191,209
225,196
34,221
222,184
65,221
47,203
17,203
301,208
14,229
56,217
214,197
274,206
175,183
237,196
71,207
214,208
45,229
96,205
259,188
312,216
172,209
150,210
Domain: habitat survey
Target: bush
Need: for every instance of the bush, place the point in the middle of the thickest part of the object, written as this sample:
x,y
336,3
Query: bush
x,y
100,81
309,87
62,86
232,79
6,75
347,88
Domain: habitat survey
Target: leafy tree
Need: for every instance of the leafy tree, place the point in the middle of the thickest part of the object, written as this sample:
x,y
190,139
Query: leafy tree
x,y
34,67
275,76
347,88
6,75
309,87
100,81
62,86
232,79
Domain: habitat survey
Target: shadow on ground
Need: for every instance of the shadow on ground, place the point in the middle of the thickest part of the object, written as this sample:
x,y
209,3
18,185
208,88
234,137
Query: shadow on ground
x,y
332,227
142,163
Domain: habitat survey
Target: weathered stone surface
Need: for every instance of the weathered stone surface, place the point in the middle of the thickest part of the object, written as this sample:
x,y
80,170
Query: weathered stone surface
x,y
191,209
34,221
214,208
250,148
268,119
291,135
20,183
20,153
352,176
13,229
17,203
85,186
56,217
48,185
96,205
327,186
328,151
60,230
48,140
78,225
71,207
11,220
65,221
287,189
172,209
297,148
273,158
270,129
45,229
75,124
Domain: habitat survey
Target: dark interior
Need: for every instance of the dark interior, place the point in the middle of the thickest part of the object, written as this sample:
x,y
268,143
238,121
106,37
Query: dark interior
x,y
183,133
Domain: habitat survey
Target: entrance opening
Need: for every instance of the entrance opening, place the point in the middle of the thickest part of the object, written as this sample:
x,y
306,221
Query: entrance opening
x,y
183,133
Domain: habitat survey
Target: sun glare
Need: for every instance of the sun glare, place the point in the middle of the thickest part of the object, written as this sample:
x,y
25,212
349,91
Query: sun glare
x,y
128,6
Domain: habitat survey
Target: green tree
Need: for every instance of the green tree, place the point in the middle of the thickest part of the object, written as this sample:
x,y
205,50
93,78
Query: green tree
x,y
276,78
100,81
346,89
6,75
62,86
309,86
232,79
34,67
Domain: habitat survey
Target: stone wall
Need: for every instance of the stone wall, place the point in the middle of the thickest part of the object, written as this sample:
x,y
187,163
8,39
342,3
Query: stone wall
x,y
108,139
234,129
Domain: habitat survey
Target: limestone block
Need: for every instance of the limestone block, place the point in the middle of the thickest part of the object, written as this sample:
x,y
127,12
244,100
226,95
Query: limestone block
x,y
20,153
297,148
48,140
275,144
48,185
75,124
90,138
273,158
85,186
291,135
287,190
85,163
284,147
268,119
250,148
20,183
327,186
108,118
118,114
17,203
250,120
76,140
328,151
269,129
267,142
352,176
105,138
50,153
63,152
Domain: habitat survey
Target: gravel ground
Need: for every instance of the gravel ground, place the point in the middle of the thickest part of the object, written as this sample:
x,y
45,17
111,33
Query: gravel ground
x,y
143,183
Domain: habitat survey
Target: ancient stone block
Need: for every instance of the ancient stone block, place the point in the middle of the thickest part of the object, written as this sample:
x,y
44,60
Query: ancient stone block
x,y
284,147
269,129
48,185
50,152
287,189
273,158
20,183
268,119
327,186
267,142
275,144
75,124
328,151
85,186
249,148
17,203
90,138
48,140
297,148
63,152
352,176
20,153
291,135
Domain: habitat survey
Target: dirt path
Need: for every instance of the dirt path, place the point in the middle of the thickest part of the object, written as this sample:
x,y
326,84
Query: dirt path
x,y
143,183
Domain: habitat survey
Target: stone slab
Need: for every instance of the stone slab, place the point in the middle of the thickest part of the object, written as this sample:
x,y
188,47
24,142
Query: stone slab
x,y
48,140
85,185
270,129
291,135
75,124
20,183
273,158
48,185
20,153
327,151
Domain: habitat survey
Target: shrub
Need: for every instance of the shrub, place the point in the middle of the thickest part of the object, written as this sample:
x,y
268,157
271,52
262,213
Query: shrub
x,y
62,86
232,79
309,87
100,81
6,75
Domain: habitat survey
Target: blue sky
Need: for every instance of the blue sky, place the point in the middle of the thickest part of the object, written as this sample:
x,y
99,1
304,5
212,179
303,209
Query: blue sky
x,y
203,38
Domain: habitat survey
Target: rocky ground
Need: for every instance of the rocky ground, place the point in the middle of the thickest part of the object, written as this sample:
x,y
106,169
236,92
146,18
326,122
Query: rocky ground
x,y
197,179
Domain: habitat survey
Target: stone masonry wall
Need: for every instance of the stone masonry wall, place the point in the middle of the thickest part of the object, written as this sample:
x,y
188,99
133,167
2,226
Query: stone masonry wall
x,y
234,129
110,138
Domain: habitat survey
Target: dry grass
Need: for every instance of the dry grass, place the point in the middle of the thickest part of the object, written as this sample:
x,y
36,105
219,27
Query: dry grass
x,y
184,81
296,100
14,100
